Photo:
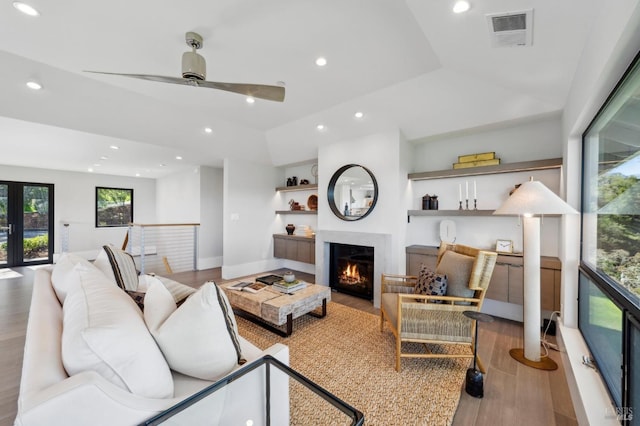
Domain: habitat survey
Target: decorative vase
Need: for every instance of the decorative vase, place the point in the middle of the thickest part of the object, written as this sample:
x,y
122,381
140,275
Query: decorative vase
x,y
290,228
433,202
288,277
426,203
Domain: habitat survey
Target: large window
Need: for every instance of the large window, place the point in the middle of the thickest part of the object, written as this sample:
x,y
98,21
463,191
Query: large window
x,y
609,291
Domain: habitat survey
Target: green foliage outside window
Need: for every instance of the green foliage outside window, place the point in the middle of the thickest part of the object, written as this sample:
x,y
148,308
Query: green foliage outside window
x,y
114,207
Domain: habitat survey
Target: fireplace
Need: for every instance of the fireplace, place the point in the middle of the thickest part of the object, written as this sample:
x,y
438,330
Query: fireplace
x,y
351,269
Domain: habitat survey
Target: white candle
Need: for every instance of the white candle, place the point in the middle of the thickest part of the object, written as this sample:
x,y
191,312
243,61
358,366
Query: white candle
x,y
475,194
460,192
466,184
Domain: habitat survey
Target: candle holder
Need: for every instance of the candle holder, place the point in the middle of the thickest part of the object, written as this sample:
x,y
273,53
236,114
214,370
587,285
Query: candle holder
x,y
475,204
466,204
460,208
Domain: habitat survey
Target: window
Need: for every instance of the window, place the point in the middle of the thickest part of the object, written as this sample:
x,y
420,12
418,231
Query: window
x,y
114,207
609,290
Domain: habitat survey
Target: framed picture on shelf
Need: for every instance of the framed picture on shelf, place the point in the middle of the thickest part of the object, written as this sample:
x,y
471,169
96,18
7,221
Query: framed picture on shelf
x,y
504,246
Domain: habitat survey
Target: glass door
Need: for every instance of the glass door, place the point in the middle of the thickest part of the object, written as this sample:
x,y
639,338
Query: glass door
x,y
26,223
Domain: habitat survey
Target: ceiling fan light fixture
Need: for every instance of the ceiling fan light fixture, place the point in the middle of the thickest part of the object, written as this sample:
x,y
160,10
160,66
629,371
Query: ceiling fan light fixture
x,y
461,6
25,8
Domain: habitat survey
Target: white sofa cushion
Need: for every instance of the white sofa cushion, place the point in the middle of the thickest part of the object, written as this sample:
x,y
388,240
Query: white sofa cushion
x,y
119,266
104,331
63,274
200,338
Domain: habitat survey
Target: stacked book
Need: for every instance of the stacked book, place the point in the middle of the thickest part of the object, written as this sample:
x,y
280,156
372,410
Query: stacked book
x,y
291,287
476,160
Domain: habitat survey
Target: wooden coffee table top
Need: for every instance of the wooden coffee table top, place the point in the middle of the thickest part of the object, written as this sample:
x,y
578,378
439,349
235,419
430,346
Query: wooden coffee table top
x,y
274,306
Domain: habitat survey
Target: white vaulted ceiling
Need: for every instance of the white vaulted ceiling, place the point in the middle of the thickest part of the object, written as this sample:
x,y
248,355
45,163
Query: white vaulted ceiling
x,y
412,65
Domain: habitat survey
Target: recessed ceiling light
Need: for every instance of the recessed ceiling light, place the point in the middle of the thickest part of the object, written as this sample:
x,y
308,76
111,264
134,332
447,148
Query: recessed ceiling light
x,y
25,8
320,127
104,157
34,85
359,114
251,100
137,174
163,165
96,165
208,130
321,62
114,147
461,6
89,169
178,157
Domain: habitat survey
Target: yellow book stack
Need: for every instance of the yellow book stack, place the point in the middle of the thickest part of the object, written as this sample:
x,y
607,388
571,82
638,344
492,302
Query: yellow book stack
x,y
476,160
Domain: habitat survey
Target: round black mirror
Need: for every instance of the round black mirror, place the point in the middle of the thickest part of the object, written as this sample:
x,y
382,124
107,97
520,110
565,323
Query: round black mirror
x,y
353,192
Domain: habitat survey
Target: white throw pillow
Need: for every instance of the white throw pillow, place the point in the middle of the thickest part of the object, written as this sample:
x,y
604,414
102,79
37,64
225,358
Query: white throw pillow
x,y
63,276
200,338
119,266
104,331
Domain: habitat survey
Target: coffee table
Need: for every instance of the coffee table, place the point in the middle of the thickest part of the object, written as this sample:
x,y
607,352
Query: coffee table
x,y
275,310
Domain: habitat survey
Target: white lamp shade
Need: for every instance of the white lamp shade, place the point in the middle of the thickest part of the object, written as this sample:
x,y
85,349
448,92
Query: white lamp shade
x,y
534,198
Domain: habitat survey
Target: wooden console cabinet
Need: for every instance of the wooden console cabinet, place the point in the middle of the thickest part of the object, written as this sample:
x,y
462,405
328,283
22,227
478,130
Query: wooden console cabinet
x,y
508,276
295,247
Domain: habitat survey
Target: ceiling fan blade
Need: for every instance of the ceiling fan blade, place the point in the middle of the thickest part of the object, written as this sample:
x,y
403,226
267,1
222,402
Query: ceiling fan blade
x,y
260,91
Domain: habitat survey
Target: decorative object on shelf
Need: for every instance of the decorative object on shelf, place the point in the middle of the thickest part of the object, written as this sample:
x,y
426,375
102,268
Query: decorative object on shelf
x,y
476,160
308,231
314,173
294,205
474,383
475,195
304,181
448,231
352,192
292,181
426,202
533,198
433,202
504,246
288,277
290,228
312,202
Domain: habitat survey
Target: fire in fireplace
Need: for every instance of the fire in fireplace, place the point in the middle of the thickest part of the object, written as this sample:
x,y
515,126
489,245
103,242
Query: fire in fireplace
x,y
351,269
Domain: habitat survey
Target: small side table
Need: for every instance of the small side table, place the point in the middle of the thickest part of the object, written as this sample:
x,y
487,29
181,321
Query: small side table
x,y
474,384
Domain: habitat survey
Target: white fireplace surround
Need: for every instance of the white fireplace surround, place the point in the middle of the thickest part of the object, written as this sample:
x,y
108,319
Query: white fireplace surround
x,y
381,244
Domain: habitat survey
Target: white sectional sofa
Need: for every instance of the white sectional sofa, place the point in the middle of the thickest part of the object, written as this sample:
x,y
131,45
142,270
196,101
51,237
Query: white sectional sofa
x,y
50,396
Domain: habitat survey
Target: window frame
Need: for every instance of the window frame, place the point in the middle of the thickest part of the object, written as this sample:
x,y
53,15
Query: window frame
x,y
126,221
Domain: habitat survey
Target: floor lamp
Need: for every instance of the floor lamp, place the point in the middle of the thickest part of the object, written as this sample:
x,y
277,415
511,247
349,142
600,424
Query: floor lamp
x,y
532,200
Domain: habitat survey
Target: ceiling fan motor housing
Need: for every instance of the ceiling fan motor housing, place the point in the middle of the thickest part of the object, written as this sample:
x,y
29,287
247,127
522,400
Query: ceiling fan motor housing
x,y
194,66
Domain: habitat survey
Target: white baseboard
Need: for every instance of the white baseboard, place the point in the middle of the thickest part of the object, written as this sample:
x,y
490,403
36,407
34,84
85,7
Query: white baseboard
x,y
209,262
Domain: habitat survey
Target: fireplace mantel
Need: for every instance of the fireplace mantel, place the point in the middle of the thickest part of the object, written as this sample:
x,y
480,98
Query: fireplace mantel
x,y
381,244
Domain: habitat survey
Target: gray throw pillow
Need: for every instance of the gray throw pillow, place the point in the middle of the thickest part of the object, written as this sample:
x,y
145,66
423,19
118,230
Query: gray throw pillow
x,y
457,267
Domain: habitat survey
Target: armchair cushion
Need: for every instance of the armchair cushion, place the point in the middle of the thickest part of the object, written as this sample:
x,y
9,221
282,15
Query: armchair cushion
x,y
457,267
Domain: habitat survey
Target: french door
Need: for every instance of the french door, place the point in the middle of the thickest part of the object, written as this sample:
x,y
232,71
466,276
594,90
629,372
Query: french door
x,y
26,223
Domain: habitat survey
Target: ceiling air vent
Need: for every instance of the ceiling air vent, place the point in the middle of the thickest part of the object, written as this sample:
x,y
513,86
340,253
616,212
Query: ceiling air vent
x,y
511,29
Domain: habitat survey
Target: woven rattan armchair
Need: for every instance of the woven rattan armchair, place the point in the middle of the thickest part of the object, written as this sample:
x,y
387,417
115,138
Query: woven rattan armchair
x,y
414,318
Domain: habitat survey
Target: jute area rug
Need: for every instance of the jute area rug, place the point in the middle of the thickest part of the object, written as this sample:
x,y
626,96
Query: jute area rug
x,y
346,354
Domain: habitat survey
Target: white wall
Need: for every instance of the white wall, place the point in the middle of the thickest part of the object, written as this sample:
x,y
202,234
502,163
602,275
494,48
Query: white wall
x,y
527,141
195,196
75,201
386,156
248,220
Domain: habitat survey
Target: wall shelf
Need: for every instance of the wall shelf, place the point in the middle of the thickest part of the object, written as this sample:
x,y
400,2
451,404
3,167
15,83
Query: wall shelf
x,y
308,187
450,213
296,211
552,163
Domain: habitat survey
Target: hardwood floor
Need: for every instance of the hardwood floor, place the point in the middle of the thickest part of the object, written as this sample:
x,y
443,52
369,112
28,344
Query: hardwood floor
x,y
513,393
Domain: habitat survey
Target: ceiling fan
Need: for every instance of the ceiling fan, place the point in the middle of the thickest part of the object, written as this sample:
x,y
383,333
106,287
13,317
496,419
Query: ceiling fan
x,y
194,70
